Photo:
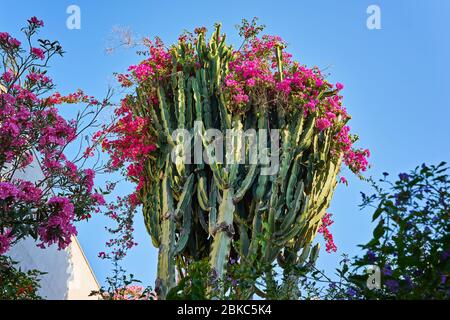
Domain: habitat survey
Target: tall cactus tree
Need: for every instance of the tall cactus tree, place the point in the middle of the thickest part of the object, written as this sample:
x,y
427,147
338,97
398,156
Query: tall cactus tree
x,y
223,209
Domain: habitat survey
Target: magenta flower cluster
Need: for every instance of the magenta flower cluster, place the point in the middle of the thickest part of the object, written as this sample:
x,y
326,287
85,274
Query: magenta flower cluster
x,y
330,246
254,70
58,228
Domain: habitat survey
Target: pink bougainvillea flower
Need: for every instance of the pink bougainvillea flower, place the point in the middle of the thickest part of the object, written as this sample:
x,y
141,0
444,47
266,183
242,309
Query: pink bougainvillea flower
x,y
8,190
4,36
134,292
39,53
323,124
13,42
36,22
59,228
339,86
330,246
98,199
5,242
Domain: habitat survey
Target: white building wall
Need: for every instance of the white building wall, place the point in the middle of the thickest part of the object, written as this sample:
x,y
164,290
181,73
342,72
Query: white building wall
x,y
68,274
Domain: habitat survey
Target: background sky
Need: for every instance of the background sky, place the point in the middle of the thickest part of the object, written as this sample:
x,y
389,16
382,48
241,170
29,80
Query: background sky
x,y
396,82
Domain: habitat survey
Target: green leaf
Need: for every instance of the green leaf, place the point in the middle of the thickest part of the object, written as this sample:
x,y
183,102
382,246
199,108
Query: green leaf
x,y
379,230
378,211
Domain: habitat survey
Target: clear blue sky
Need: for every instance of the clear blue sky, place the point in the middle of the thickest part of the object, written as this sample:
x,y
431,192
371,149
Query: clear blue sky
x,y
396,80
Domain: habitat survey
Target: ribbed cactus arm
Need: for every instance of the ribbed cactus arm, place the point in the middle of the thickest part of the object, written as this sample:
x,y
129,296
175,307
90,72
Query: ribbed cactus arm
x,y
166,261
165,116
151,211
222,234
246,183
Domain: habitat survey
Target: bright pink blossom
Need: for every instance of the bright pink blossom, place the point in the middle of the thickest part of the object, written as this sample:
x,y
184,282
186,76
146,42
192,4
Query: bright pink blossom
x,y
29,192
8,191
89,179
4,36
59,228
7,76
13,42
323,124
328,237
39,53
98,199
5,242
134,292
36,22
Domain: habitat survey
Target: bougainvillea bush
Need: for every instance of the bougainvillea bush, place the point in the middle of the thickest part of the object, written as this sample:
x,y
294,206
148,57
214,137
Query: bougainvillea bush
x,y
236,215
34,139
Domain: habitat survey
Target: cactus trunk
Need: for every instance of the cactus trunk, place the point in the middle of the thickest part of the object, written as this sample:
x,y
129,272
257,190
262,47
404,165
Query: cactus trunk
x,y
222,233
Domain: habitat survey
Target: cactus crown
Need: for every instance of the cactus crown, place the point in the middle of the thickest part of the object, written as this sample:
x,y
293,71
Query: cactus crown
x,y
219,210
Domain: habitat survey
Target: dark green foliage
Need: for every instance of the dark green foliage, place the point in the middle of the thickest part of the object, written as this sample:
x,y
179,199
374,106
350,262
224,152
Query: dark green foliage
x,y
16,284
410,243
